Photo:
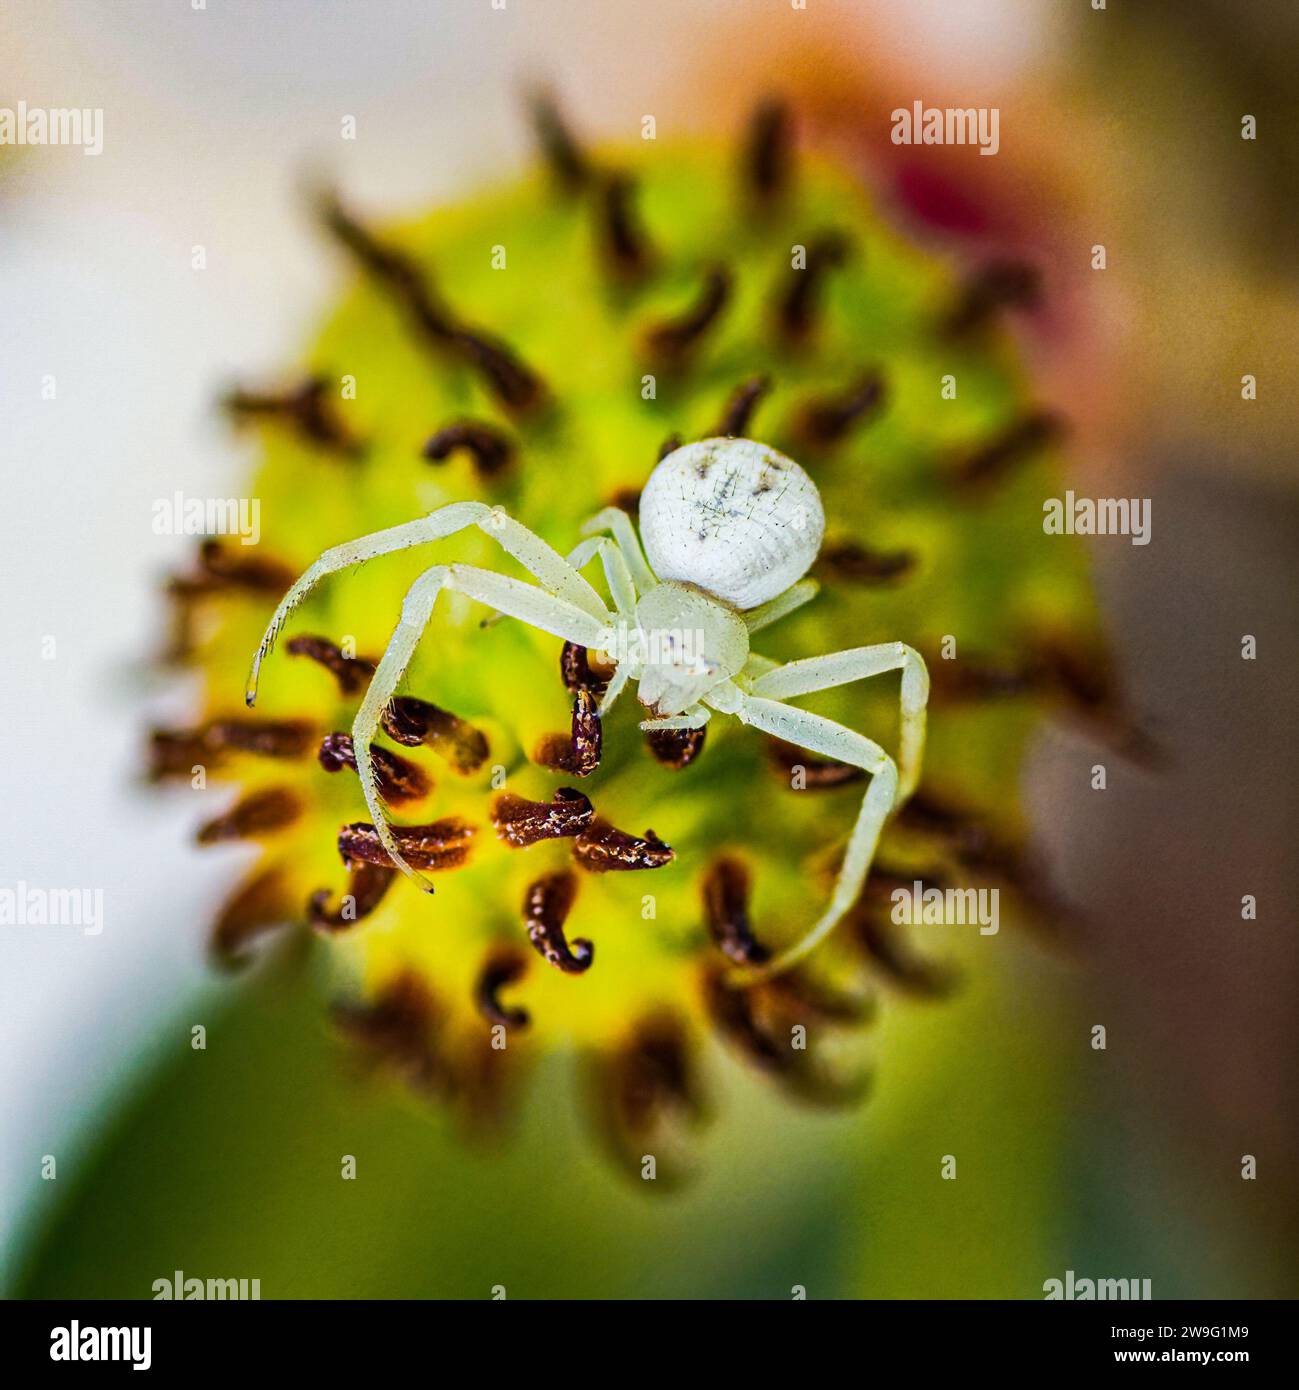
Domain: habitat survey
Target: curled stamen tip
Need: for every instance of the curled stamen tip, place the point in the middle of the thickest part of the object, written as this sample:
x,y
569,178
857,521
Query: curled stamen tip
x,y
352,673
442,845
676,748
602,847
625,244
258,813
673,338
504,966
740,406
396,778
546,906
578,752
726,903
521,823
858,563
766,151
490,450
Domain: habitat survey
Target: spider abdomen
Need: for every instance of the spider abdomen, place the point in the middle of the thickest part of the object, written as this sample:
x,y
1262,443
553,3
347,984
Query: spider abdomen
x,y
733,517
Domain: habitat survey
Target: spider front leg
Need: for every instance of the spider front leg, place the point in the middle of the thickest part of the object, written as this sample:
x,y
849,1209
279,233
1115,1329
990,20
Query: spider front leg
x,y
616,574
856,664
539,559
887,790
509,596
616,521
693,718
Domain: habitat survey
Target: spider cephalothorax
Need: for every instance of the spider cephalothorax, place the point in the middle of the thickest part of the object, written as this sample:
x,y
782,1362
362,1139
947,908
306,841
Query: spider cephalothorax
x,y
732,527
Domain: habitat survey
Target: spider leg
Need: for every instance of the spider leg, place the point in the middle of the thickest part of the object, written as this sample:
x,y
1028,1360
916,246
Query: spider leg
x,y
538,558
693,718
615,520
820,735
510,596
758,665
860,663
781,606
616,573
617,681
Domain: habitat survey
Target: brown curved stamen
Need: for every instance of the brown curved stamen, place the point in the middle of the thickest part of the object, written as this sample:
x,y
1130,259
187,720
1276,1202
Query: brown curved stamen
x,y
220,568
400,1027
393,269
489,449
267,738
258,813
410,722
827,420
578,753
601,848
672,338
1077,672
260,904
626,499
510,379
676,748
989,462
817,774
1000,285
442,845
726,908
983,848
504,966
766,161
522,823
578,672
398,778
233,566
546,906
625,244
979,676
740,407
1082,674
559,149
758,1022
656,1076
857,563
352,673
366,886
176,752
803,995
796,306
733,1013
309,409
515,384
886,946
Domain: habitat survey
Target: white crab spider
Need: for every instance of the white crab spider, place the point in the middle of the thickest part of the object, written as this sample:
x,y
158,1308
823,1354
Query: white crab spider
x,y
729,528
